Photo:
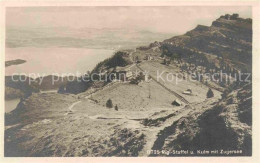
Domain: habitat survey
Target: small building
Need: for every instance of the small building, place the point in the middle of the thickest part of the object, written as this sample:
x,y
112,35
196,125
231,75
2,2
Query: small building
x,y
120,74
166,60
123,74
149,57
129,75
116,80
188,92
146,77
176,102
155,49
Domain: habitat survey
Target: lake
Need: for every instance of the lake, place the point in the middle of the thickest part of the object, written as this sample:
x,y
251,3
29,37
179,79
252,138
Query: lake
x,y
11,104
47,61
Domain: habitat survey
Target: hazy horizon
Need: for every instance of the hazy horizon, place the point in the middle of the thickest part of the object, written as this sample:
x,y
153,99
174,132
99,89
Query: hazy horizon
x,y
175,20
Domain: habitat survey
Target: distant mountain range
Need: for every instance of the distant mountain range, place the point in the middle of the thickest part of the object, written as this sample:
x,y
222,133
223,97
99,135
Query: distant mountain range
x,y
105,38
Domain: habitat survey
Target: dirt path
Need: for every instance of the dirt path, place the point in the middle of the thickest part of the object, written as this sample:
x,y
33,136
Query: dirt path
x,y
132,122
152,132
72,105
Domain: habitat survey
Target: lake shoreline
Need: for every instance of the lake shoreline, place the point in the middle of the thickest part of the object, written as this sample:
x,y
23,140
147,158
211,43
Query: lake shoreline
x,y
11,105
40,66
54,61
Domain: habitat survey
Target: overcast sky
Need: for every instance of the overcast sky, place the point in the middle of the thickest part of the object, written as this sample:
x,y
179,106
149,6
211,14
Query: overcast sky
x,y
176,20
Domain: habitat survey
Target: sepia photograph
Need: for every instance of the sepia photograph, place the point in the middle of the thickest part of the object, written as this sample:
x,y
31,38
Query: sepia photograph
x,y
128,81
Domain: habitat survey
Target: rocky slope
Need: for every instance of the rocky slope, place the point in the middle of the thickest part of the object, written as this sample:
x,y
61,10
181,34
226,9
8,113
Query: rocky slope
x,y
145,122
17,86
224,46
225,127
12,93
229,37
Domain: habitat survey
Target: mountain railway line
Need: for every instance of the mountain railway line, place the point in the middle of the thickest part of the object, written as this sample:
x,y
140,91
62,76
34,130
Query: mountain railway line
x,y
169,90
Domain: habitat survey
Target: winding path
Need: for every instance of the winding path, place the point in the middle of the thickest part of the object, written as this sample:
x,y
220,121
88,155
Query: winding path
x,y
74,104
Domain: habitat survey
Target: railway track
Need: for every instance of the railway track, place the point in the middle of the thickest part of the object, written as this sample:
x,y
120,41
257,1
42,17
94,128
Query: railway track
x,y
169,90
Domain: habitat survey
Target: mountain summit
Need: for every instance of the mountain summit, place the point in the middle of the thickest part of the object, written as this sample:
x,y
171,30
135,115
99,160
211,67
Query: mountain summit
x,y
229,37
139,114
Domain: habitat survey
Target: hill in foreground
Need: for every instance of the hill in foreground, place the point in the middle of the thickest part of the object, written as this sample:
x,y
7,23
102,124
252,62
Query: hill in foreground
x,y
151,115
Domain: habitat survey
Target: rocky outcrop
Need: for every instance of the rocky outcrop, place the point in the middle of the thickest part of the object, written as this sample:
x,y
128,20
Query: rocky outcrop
x,y
119,59
228,38
12,93
23,86
19,83
225,127
70,125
